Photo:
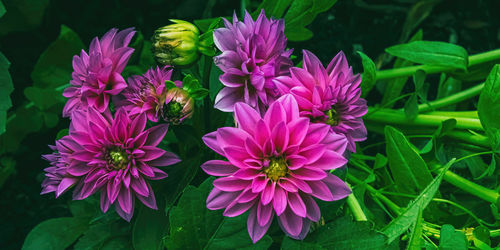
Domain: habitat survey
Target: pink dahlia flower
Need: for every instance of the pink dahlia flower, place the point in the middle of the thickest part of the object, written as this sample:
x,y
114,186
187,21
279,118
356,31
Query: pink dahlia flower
x,y
97,75
330,95
277,164
115,157
253,54
57,178
146,93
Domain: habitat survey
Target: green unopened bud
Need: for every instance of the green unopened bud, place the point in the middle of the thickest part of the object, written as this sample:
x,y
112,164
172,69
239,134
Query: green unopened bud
x,y
176,44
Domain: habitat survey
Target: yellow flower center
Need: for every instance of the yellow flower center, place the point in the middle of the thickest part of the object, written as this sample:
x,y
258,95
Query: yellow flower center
x,y
117,158
333,117
277,168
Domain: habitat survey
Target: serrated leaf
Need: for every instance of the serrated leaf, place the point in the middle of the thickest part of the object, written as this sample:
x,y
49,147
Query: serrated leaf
x,y
342,233
54,67
6,88
408,169
408,216
451,240
58,233
369,74
193,226
432,53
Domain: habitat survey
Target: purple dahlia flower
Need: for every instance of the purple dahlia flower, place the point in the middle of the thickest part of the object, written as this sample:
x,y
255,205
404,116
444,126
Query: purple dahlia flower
x,y
146,93
115,157
253,54
276,165
97,75
330,95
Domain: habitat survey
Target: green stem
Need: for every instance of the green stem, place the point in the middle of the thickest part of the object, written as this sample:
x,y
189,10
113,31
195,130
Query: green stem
x,y
397,117
452,99
465,114
476,139
431,69
495,233
393,206
353,204
470,187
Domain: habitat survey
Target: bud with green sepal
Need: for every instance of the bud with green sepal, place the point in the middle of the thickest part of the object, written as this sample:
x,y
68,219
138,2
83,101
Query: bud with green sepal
x,y
180,102
176,44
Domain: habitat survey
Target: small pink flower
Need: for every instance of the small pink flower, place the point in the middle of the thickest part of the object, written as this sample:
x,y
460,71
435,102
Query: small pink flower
x,y
276,165
253,54
146,93
331,96
97,75
115,157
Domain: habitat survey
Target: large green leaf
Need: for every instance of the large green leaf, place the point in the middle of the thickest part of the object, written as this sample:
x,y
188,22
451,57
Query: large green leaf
x,y
409,215
432,53
21,15
193,226
343,233
6,88
275,8
451,239
408,169
54,67
99,234
149,228
415,242
488,107
369,74
58,233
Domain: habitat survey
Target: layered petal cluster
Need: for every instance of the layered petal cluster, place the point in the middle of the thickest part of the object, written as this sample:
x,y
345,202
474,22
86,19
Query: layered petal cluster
x,y
331,95
276,165
57,178
253,54
178,106
115,157
97,74
146,93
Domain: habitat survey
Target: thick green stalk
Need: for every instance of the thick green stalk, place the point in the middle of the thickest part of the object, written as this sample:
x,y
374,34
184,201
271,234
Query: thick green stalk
x,y
431,69
390,116
353,204
393,206
452,99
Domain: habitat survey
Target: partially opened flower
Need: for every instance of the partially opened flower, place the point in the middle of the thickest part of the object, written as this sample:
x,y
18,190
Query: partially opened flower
x,y
97,75
146,93
116,157
178,106
253,54
277,164
57,178
331,96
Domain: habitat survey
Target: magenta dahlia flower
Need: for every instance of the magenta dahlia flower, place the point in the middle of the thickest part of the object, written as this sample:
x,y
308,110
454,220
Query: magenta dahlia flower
x,y
115,157
57,178
331,96
276,165
97,75
253,54
146,93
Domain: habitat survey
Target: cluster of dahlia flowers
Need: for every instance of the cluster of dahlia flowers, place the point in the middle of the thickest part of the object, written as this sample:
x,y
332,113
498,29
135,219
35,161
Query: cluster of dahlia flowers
x,y
281,153
113,154
293,127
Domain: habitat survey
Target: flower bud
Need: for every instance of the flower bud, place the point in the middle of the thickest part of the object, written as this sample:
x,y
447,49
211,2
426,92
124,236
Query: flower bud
x,y
176,44
178,106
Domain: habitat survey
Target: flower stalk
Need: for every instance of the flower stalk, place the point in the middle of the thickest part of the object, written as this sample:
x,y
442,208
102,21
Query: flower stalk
x,y
452,99
355,207
432,69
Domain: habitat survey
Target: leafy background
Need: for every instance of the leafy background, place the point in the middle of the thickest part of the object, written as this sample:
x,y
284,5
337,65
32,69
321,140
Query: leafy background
x,y
40,37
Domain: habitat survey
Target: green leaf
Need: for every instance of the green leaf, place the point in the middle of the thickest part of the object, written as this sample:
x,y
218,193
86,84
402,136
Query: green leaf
x,y
411,107
451,239
409,215
54,67
58,233
199,94
415,242
149,228
273,8
302,13
215,84
6,88
170,84
190,84
432,53
409,170
99,234
23,122
193,226
482,238
488,107
2,9
342,233
44,98
23,15
395,86
369,74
